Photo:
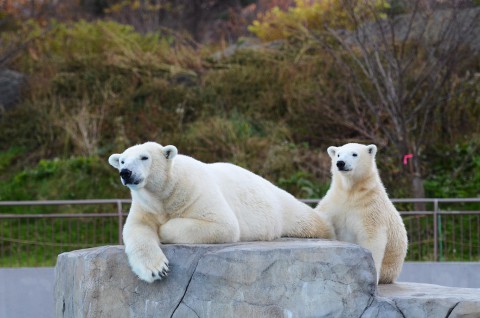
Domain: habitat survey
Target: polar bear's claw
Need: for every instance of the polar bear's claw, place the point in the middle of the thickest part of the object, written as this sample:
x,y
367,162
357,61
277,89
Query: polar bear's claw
x,y
160,273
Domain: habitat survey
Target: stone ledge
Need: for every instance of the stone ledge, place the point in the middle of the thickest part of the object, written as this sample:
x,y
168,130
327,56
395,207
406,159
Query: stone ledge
x,y
426,300
283,278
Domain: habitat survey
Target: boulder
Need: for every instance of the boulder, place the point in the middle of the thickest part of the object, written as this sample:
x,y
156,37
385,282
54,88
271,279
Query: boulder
x,y
11,84
283,278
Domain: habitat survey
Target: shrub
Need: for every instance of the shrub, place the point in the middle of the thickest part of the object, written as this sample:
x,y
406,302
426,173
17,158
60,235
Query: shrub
x,y
88,78
57,179
455,171
97,88
311,15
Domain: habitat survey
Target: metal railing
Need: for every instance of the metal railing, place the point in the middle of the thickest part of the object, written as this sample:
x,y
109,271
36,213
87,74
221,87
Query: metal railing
x,y
53,227
33,233
440,237
118,202
440,234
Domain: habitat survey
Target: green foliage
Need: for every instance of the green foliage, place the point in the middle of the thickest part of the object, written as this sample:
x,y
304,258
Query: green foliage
x,y
251,83
99,87
74,178
455,171
7,158
312,15
89,78
108,44
234,139
304,184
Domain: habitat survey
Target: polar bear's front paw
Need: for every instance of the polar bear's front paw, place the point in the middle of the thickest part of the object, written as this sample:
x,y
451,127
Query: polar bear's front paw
x,y
149,268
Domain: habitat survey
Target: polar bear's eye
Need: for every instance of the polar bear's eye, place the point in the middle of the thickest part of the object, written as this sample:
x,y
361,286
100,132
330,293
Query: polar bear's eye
x,y
354,154
122,162
144,158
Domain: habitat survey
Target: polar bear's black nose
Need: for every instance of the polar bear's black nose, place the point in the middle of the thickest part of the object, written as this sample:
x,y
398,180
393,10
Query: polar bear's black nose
x,y
125,174
340,164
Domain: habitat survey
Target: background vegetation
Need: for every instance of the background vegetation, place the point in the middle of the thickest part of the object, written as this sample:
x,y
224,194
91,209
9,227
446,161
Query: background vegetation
x,y
104,75
98,87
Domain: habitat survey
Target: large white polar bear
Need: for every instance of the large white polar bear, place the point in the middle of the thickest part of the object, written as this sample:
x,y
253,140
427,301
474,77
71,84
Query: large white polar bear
x,y
177,199
360,211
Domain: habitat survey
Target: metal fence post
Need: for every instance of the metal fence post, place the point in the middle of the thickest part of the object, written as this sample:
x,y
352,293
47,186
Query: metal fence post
x,y
435,231
120,222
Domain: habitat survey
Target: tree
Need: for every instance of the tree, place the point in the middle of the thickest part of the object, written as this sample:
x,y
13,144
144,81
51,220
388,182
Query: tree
x,y
397,72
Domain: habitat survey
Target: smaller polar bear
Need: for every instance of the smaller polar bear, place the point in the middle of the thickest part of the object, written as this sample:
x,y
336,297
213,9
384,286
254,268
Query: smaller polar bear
x,y
360,211
177,199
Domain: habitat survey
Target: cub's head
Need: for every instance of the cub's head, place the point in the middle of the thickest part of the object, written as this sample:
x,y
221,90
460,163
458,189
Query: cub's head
x,y
143,164
353,160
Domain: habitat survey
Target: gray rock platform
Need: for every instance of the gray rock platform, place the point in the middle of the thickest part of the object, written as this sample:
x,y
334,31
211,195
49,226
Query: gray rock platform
x,y
283,278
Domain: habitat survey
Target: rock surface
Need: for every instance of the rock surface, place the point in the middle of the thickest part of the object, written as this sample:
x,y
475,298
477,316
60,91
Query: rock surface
x,y
11,83
426,300
284,278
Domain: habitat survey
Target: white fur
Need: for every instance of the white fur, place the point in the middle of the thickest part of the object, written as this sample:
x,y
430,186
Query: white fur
x,y
358,207
181,200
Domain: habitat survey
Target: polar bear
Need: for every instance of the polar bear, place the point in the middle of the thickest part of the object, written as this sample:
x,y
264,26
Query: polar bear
x,y
360,211
177,199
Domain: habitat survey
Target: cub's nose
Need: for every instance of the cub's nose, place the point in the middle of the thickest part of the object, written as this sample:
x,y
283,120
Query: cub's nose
x,y
340,164
125,174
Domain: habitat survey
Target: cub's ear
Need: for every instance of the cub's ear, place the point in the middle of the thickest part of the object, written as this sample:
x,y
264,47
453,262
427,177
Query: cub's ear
x,y
372,149
170,152
332,151
114,160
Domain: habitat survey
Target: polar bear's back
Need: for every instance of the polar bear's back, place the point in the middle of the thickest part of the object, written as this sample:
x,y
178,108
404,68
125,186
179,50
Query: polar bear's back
x,y
245,185
260,206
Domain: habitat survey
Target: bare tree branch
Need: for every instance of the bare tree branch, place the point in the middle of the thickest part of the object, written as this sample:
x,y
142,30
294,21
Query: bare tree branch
x,y
398,70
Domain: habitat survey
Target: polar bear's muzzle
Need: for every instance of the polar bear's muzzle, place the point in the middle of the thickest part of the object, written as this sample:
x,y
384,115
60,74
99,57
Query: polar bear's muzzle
x,y
128,178
341,165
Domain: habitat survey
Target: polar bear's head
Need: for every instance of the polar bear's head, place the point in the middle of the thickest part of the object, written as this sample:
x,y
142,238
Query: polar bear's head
x,y
353,160
143,164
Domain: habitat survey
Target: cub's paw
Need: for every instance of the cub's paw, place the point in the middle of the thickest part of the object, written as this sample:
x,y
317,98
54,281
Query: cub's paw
x,y
149,267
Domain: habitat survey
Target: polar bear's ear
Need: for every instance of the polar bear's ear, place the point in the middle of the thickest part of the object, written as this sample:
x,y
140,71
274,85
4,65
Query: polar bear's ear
x,y
114,160
372,149
170,152
332,151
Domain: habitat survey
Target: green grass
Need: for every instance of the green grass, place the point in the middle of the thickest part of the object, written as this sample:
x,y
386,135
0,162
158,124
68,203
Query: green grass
x,y
64,179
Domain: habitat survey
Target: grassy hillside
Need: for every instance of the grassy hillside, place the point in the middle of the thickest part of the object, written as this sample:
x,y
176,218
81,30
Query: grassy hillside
x,y
95,88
